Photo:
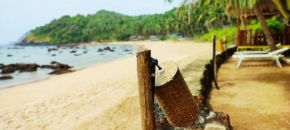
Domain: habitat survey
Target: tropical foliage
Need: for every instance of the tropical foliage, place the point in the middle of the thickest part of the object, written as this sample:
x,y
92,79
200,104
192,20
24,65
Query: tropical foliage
x,y
110,26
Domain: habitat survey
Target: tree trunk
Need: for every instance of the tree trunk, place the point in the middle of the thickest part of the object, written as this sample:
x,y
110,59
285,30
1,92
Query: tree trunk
x,y
265,28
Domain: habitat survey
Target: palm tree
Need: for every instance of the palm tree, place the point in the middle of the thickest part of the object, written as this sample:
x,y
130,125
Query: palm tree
x,y
284,7
240,5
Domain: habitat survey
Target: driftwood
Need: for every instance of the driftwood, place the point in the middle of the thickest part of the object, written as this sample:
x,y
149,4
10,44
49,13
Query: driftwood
x,y
174,97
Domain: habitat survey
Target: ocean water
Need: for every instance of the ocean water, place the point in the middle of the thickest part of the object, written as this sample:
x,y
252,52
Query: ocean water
x,y
41,56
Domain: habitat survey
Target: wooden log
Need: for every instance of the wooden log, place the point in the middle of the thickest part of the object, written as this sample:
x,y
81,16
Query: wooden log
x,y
145,90
174,97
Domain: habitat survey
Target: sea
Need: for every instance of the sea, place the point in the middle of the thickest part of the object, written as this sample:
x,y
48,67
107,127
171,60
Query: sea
x,y
85,56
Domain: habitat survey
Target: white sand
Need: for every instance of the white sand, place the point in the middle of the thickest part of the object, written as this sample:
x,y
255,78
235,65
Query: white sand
x,y
100,97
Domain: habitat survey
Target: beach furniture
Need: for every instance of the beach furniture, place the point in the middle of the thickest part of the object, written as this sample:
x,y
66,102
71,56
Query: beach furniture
x,y
257,52
275,55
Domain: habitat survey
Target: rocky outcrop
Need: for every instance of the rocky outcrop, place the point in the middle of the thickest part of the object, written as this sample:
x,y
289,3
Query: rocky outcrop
x,y
126,50
49,66
2,66
8,70
21,67
100,50
61,71
55,65
108,49
52,49
28,67
58,68
5,77
73,51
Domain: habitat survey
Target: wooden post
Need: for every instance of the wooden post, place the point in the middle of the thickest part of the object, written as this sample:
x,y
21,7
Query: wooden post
x,y
238,28
146,94
214,67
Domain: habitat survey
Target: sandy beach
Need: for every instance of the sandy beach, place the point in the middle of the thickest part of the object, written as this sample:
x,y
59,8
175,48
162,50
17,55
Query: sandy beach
x,y
99,97
256,96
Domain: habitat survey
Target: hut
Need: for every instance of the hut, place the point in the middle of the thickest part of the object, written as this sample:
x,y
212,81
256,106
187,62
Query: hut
x,y
249,39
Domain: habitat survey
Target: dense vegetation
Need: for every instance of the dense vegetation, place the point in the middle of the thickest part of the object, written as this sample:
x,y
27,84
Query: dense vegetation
x,y
110,26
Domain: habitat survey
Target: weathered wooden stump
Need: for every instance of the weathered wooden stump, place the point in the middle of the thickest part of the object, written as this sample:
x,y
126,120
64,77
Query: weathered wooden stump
x,y
174,97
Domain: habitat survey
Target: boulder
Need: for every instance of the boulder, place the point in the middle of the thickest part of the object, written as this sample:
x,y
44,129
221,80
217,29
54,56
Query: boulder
x,y
52,49
2,66
53,55
78,54
57,66
9,55
8,69
100,50
49,66
5,77
126,50
63,66
54,62
73,51
108,49
61,71
85,52
29,68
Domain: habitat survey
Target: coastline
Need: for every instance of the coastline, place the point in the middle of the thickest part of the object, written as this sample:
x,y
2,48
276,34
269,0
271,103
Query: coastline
x,y
103,96
138,48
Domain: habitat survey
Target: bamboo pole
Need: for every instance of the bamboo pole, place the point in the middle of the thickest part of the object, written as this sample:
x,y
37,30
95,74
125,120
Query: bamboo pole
x,y
146,94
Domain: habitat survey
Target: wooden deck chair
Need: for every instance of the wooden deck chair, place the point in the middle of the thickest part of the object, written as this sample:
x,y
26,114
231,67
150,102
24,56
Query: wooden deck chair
x,y
275,55
257,52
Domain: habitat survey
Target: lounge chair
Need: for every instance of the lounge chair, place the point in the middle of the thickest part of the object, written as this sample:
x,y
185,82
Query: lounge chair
x,y
257,52
275,55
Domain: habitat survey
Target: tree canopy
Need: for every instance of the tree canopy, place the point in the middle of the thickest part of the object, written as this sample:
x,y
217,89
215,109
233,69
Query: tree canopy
x,y
111,26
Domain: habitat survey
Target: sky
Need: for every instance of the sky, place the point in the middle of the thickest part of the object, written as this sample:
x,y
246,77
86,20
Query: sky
x,y
20,16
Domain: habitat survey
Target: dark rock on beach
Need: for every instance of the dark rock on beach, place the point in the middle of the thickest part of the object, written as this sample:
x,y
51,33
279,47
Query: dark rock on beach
x,y
9,55
61,71
53,55
108,49
100,50
2,66
21,67
52,49
28,68
53,62
126,50
55,65
73,51
49,66
5,77
78,54
7,70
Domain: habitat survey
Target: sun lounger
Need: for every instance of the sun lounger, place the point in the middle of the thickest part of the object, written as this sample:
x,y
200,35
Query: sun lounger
x,y
275,55
257,52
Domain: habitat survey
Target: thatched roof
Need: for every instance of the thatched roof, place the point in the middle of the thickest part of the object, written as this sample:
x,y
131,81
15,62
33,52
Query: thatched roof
x,y
268,7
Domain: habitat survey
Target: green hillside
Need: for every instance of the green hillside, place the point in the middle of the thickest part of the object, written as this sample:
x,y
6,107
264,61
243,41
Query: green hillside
x,y
110,26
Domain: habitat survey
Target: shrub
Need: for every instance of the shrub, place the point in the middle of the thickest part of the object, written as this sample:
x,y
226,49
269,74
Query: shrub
x,y
230,33
174,38
163,38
